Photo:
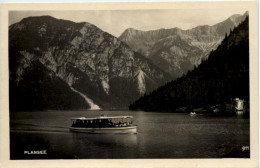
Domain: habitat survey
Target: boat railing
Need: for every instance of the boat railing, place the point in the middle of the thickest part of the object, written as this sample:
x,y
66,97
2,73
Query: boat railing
x,y
104,122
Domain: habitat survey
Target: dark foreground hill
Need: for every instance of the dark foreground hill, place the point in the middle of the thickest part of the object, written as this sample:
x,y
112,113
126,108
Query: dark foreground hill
x,y
59,64
224,75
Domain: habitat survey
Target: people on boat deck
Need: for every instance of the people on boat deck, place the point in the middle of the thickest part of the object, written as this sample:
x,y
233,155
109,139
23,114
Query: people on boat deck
x,y
100,123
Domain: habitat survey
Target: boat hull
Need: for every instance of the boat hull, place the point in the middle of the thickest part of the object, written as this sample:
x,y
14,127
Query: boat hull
x,y
108,130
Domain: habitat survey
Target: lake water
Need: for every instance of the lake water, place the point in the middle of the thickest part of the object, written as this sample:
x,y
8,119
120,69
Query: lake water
x,y
160,135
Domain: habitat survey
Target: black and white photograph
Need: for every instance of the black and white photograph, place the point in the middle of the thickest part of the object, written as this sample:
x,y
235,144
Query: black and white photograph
x,y
131,83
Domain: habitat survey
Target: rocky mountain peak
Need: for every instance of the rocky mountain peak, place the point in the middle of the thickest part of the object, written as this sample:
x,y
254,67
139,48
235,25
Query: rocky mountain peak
x,y
213,82
131,30
234,17
93,63
177,51
246,13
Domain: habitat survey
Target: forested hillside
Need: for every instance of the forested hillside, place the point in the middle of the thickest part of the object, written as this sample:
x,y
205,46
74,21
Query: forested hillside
x,y
224,75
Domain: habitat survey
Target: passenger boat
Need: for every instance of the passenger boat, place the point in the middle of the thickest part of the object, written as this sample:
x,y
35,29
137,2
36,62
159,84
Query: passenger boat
x,y
104,124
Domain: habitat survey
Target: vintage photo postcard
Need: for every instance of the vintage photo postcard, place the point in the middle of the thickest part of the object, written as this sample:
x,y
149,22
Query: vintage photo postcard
x,y
129,84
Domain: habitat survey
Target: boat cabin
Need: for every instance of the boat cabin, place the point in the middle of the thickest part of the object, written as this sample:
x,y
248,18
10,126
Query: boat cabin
x,y
102,121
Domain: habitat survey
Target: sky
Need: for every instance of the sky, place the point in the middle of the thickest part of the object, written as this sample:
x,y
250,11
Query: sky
x,y
116,21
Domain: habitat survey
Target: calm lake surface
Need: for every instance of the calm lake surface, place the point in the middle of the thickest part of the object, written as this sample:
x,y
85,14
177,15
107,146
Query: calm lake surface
x,y
160,135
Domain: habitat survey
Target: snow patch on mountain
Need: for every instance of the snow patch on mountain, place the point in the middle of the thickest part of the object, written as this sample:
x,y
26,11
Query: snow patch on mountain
x,y
92,105
105,86
141,82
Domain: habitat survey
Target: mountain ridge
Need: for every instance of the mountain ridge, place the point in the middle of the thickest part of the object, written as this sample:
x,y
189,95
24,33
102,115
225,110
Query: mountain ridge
x,y
217,80
232,18
91,61
203,39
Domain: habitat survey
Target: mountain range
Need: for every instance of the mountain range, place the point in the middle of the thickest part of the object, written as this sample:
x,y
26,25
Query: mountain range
x,y
59,64
175,50
216,81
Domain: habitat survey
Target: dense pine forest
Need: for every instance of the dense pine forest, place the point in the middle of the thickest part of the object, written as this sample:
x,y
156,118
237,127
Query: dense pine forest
x,y
217,80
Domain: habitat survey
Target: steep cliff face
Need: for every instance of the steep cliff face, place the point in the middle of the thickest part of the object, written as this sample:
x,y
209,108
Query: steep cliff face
x,y
96,66
223,76
177,51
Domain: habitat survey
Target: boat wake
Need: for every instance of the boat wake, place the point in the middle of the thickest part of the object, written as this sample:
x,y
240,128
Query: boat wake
x,y
34,128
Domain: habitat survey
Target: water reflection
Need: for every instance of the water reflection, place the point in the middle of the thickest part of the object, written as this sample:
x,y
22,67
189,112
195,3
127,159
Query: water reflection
x,y
106,139
242,114
104,145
